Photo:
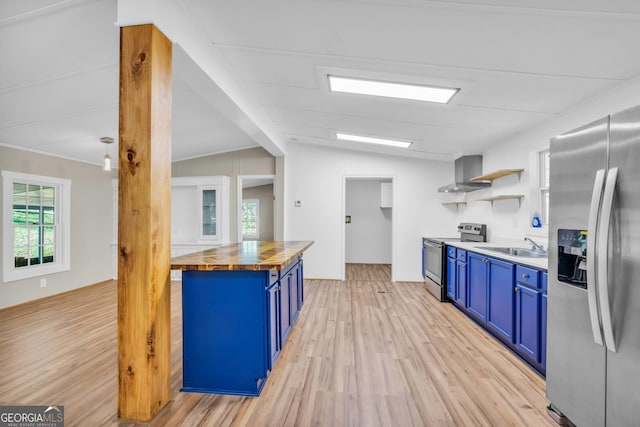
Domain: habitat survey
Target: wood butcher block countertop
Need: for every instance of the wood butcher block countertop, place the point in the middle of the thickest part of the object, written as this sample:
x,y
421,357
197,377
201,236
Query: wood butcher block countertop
x,y
243,256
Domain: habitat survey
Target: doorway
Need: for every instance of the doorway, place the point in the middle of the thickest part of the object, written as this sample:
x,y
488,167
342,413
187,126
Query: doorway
x,y
368,245
256,207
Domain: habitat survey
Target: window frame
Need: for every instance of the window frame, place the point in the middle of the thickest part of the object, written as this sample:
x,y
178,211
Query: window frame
x,y
62,209
257,235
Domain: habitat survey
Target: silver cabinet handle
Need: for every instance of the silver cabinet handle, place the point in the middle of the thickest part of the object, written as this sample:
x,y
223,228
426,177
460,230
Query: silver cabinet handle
x,y
525,276
515,289
591,256
603,258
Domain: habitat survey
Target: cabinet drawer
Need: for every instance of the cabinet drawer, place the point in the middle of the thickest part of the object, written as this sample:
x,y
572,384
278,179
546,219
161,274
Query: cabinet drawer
x,y
462,255
527,276
451,251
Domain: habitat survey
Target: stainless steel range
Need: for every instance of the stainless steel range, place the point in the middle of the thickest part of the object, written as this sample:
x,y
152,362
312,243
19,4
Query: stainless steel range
x,y
434,258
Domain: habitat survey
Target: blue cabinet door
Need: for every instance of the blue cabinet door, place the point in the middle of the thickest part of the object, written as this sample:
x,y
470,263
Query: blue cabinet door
x,y
273,313
451,278
293,298
543,321
500,316
477,285
527,325
285,311
461,283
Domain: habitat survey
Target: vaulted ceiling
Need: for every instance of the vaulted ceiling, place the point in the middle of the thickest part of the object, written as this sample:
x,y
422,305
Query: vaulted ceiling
x,y
517,63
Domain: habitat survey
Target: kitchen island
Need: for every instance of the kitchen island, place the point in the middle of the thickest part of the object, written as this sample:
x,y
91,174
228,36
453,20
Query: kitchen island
x,y
238,305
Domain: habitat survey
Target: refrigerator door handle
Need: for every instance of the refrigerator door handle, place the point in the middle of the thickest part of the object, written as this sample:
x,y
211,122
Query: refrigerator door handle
x,y
594,315
603,259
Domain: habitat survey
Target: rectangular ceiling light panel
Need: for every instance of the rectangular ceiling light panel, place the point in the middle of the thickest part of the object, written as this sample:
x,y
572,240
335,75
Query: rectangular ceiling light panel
x,y
440,95
370,140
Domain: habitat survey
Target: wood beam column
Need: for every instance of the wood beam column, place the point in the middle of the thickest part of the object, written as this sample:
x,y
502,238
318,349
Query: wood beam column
x,y
144,223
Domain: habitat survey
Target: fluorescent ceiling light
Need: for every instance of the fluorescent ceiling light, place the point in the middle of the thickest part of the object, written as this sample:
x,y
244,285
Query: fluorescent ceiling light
x,y
391,90
369,140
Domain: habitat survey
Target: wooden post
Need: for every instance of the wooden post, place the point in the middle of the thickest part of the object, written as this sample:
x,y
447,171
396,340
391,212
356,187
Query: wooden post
x,y
144,223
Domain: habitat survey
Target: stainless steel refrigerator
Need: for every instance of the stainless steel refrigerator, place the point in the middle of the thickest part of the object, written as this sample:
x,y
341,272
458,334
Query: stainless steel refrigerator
x,y
593,332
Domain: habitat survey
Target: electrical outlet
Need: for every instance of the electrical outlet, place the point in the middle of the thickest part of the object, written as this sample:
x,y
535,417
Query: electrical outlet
x,y
43,283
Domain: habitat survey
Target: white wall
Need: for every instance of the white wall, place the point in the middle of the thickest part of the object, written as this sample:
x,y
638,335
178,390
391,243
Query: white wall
x,y
91,225
506,219
368,236
315,175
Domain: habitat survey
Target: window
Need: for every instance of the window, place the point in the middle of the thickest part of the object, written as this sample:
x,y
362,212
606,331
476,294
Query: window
x,y
36,224
209,223
251,219
543,185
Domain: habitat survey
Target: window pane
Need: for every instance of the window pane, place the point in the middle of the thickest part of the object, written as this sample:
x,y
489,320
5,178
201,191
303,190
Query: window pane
x,y
48,216
47,254
19,194
48,235
544,197
209,212
20,257
21,237
33,215
249,219
19,214
48,196
34,194
34,236
545,158
34,255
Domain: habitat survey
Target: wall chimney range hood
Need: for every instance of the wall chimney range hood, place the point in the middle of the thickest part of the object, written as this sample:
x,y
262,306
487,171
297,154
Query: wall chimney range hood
x,y
466,167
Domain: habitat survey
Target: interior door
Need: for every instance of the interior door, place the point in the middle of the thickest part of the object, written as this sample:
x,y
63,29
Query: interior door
x,y
575,363
623,366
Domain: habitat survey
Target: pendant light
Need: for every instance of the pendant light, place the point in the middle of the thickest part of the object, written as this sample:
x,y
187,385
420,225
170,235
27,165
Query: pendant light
x,y
106,164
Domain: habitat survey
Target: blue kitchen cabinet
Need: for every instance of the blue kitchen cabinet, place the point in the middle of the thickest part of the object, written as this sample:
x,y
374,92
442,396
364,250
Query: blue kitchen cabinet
x,y
235,324
225,350
451,277
477,285
528,301
273,311
461,277
508,300
500,285
543,321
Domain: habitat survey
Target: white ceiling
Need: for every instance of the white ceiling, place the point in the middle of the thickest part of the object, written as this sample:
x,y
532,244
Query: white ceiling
x,y
518,63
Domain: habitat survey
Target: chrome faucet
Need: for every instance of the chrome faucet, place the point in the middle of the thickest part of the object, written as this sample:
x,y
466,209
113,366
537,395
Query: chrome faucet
x,y
536,247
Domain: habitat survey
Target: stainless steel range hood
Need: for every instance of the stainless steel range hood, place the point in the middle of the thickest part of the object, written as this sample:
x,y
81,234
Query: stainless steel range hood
x,y
466,167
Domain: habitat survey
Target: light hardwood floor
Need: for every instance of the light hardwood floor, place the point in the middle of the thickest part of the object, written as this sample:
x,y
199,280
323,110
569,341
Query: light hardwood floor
x,y
364,352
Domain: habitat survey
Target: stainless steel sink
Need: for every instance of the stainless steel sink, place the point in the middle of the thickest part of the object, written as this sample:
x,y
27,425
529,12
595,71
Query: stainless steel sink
x,y
521,252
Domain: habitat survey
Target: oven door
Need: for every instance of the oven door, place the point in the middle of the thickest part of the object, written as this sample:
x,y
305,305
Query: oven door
x,y
433,260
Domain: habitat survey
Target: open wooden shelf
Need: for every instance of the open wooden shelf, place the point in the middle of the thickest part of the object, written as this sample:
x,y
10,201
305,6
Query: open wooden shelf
x,y
498,174
502,197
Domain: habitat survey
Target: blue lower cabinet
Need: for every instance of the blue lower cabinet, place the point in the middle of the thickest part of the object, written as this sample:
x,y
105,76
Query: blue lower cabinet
x,y
500,286
451,278
477,285
461,281
508,300
527,321
234,324
273,297
543,321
